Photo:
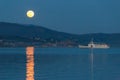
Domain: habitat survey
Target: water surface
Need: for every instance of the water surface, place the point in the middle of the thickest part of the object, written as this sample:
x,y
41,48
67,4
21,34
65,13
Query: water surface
x,y
61,64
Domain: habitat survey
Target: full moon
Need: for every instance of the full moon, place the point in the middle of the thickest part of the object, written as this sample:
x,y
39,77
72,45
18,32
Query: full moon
x,y
30,13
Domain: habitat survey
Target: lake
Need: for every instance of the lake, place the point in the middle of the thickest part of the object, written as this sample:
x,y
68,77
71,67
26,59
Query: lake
x,y
60,64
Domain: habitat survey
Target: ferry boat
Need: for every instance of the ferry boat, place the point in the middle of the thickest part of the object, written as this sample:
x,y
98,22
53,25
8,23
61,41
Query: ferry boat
x,y
94,45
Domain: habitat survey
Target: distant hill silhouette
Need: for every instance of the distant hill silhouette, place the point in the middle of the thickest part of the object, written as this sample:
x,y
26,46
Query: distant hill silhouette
x,y
27,31
12,32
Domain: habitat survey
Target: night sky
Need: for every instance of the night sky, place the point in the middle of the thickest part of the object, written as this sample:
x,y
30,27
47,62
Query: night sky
x,y
72,16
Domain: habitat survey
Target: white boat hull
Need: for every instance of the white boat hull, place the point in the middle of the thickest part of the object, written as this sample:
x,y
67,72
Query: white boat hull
x,y
80,46
94,45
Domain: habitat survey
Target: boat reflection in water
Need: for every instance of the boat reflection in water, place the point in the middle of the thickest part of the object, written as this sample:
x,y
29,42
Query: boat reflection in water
x,y
30,63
